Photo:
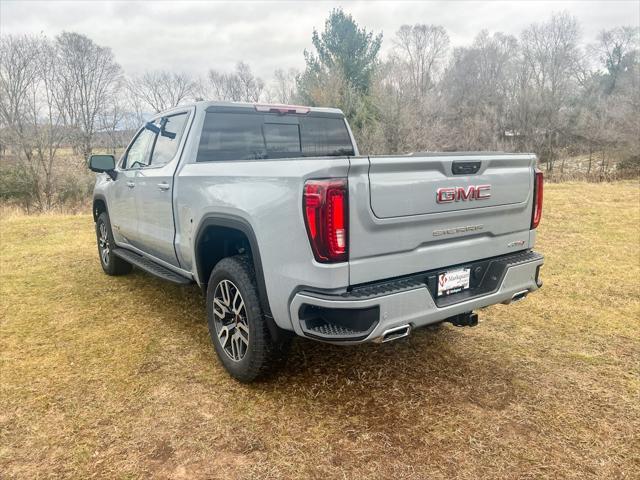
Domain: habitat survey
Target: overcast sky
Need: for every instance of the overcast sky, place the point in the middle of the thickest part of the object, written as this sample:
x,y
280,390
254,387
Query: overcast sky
x,y
196,36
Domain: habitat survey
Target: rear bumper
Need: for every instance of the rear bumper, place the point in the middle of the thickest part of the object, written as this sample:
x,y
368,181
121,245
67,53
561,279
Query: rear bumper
x,y
366,313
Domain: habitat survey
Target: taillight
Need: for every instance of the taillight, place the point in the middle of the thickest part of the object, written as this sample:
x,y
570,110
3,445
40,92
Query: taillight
x,y
538,189
325,205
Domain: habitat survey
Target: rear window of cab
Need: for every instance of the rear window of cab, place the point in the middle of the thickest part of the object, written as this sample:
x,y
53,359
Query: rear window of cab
x,y
251,136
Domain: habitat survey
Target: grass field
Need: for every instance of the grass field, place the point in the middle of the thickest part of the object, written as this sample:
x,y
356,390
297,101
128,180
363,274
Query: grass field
x,y
116,378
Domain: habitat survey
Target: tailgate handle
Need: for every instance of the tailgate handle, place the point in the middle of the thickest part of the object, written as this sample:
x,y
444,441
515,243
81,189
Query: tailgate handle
x,y
465,168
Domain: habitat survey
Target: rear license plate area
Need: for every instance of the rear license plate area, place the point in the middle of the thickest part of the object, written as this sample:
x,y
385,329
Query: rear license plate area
x,y
485,277
453,281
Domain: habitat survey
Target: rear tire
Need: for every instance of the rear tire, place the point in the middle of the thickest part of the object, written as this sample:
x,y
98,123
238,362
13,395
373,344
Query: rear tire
x,y
111,264
237,326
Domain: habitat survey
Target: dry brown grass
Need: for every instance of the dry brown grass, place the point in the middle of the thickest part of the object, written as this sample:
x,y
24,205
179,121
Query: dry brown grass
x,y
115,377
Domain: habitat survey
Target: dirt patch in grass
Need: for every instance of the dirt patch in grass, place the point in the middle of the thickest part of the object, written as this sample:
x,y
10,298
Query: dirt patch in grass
x,y
116,378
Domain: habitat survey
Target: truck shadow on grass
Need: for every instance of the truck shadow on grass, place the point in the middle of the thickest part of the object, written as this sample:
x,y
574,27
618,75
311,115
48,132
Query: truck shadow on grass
x,y
441,366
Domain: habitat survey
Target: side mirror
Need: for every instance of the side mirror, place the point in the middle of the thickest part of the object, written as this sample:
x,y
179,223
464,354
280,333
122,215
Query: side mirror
x,y
103,164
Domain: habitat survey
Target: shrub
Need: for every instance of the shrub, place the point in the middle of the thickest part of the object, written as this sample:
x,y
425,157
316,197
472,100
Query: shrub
x,y
629,165
18,186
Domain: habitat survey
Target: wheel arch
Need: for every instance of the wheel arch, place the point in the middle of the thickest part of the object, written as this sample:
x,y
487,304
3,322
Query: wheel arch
x,y
99,206
227,224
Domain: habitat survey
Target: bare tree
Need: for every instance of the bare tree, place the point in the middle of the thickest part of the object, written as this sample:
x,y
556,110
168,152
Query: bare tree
x,y
617,50
608,116
283,88
223,86
162,90
238,86
28,79
479,90
550,52
112,124
88,78
19,71
47,123
250,86
423,49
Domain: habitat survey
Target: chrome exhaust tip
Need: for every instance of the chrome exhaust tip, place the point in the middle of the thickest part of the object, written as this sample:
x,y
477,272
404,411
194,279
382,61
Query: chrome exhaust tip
x,y
395,333
517,297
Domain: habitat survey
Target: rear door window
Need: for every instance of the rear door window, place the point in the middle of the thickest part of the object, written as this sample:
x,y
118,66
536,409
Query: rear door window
x,y
249,136
231,136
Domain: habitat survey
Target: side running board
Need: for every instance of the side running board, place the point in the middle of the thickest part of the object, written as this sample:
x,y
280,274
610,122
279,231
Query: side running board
x,y
150,266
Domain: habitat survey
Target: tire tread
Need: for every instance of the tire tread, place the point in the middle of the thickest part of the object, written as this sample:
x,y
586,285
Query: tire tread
x,y
117,266
265,352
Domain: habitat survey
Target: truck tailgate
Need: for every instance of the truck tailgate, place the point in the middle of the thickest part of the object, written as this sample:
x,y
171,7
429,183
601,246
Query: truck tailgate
x,y
413,213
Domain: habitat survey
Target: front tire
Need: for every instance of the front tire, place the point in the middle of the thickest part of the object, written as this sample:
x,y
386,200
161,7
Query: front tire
x,y
236,321
111,264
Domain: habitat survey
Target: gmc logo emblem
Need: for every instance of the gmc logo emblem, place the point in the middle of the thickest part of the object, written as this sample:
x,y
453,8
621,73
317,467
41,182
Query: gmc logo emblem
x,y
461,194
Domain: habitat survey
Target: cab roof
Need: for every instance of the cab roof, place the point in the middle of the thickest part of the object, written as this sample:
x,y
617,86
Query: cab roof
x,y
266,107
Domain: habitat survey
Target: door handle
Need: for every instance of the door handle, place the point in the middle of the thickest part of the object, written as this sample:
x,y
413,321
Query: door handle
x,y
164,186
131,184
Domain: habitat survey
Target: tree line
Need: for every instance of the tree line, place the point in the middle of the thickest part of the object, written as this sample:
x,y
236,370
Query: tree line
x,y
544,91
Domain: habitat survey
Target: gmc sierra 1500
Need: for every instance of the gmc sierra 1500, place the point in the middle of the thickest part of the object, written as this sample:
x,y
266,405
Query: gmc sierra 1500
x,y
273,212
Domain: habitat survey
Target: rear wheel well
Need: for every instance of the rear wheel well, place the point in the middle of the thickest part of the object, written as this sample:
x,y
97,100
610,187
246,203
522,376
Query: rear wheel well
x,y
214,244
226,236
98,207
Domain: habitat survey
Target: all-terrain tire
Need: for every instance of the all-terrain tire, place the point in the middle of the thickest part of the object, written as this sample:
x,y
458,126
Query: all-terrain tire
x,y
111,264
262,354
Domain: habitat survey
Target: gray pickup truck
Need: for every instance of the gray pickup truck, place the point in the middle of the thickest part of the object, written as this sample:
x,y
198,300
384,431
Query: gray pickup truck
x,y
271,210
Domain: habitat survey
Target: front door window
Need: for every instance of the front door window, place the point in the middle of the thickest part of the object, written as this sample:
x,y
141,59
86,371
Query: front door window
x,y
139,154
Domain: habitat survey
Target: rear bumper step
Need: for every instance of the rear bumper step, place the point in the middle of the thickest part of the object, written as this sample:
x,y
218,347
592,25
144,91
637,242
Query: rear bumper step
x,y
329,323
412,301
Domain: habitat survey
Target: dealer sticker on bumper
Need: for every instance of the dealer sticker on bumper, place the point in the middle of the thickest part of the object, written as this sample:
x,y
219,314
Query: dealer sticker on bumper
x,y
453,281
